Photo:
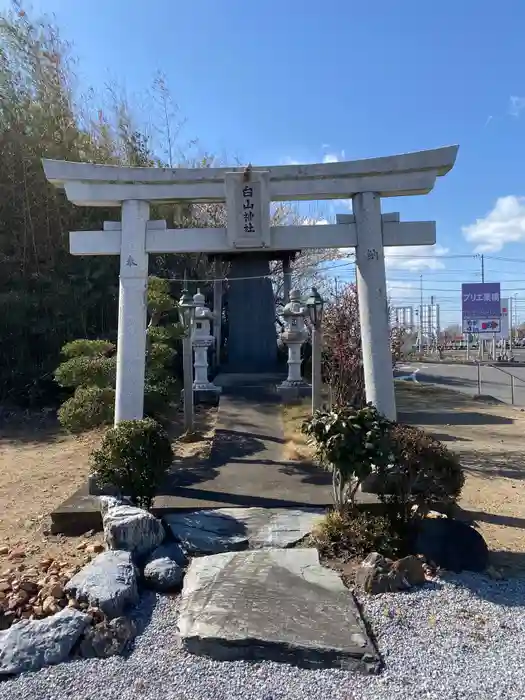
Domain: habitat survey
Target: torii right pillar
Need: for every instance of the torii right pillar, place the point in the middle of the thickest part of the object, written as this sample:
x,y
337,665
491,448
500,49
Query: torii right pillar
x,y
373,303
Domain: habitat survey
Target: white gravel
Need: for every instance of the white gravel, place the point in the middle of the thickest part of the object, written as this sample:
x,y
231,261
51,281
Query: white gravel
x,y
459,639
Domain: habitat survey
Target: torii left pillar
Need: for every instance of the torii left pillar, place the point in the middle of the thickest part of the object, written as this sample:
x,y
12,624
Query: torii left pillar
x,y
132,311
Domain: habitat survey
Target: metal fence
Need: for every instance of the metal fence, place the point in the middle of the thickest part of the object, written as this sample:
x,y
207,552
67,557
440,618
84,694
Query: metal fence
x,y
514,382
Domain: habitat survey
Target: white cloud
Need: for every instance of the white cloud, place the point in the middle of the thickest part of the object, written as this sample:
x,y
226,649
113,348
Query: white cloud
x,y
330,158
402,293
504,224
516,105
414,258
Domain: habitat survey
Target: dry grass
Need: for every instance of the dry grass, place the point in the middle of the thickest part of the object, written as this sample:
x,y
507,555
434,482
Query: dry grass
x,y
296,447
41,466
490,439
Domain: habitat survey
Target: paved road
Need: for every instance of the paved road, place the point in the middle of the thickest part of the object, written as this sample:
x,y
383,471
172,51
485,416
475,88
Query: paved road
x,y
465,378
519,354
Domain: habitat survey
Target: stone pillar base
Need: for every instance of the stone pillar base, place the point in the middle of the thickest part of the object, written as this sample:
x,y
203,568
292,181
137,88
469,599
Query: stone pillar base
x,y
206,394
292,392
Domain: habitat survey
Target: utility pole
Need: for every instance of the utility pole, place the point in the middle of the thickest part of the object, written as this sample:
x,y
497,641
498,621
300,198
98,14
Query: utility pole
x,y
421,313
511,324
481,339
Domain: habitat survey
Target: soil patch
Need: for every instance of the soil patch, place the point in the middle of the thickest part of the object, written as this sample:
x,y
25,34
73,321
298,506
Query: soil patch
x,y
41,466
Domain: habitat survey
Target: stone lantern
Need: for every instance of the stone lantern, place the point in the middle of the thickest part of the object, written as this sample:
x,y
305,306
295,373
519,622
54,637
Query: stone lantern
x,y
202,339
294,335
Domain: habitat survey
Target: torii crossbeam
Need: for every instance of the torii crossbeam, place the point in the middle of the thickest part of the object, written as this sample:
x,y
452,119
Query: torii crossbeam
x,y
248,196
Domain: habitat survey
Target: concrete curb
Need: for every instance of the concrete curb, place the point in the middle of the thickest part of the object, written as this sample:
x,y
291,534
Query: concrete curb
x,y
470,363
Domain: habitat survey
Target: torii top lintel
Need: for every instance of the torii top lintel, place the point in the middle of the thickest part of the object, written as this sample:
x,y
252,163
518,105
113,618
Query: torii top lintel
x,y
390,176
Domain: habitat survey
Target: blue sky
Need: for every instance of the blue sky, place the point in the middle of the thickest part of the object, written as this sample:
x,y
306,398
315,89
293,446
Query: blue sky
x,y
272,82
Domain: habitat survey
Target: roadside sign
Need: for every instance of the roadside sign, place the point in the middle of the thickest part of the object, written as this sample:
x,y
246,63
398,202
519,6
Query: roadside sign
x,y
504,326
481,325
481,307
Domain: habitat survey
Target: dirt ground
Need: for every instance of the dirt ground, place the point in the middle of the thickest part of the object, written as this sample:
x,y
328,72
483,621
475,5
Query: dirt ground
x,y
489,437
41,466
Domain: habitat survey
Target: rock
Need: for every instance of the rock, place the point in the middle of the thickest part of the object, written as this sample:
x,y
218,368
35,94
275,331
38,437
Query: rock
x,y
56,591
107,638
95,548
275,604
4,549
31,644
412,570
81,546
207,532
451,544
17,553
49,606
377,574
391,582
129,528
234,529
171,550
5,585
163,569
375,560
7,618
163,574
96,614
17,599
109,582
275,527
29,587
44,564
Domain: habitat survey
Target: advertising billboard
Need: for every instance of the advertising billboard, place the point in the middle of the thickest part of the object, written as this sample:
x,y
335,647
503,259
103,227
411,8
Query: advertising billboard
x,y
481,307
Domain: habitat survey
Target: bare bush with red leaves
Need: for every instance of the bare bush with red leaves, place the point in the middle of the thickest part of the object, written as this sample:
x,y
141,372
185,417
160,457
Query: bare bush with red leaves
x,y
342,355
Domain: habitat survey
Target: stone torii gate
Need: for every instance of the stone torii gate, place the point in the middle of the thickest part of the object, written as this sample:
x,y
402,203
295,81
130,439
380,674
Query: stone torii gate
x,y
248,193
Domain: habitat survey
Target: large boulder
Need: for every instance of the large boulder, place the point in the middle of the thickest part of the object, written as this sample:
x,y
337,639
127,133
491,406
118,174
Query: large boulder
x,y
235,529
130,528
31,644
164,568
207,532
452,545
109,582
272,604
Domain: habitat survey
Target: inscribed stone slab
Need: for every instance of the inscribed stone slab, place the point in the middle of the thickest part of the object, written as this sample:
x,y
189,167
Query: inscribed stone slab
x,y
274,604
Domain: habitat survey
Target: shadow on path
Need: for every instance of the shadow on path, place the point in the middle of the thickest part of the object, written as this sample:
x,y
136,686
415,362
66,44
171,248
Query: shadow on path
x,y
439,417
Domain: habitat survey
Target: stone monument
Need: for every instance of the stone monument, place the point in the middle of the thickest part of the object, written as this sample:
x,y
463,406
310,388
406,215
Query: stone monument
x,y
293,336
201,339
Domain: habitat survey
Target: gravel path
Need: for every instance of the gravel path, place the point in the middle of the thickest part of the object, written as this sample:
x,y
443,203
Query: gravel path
x,y
462,638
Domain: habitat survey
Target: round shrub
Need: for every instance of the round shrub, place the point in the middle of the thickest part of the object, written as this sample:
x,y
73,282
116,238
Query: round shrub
x,y
350,443
134,457
88,348
157,397
86,371
421,472
88,408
